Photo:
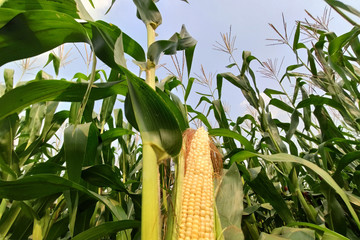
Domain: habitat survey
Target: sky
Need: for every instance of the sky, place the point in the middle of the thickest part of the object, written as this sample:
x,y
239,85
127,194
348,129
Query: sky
x,y
204,20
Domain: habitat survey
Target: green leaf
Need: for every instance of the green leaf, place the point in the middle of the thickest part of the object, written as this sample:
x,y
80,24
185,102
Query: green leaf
x,y
229,203
107,11
262,186
33,32
42,185
8,128
281,105
335,217
148,12
63,6
293,124
56,62
269,92
320,228
114,133
9,79
176,107
104,37
103,176
231,134
199,116
346,160
287,233
106,229
55,90
188,88
320,101
243,83
296,36
189,55
179,41
156,122
335,3
283,157
75,143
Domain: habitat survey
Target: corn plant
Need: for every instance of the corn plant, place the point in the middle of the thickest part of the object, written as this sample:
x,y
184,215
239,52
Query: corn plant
x,y
300,173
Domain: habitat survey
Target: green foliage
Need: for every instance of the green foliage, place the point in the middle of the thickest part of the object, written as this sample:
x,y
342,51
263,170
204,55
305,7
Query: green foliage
x,y
296,177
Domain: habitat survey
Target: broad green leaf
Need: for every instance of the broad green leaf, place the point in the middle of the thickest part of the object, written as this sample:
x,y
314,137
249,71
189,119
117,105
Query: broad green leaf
x,y
33,32
53,120
6,15
9,79
293,124
199,116
188,88
281,105
272,135
243,83
58,229
37,114
176,107
222,120
283,157
189,55
335,217
56,62
113,134
75,146
8,220
269,92
76,141
262,186
104,37
41,185
231,134
148,12
339,4
156,122
63,6
119,56
287,233
296,36
45,167
229,203
307,110
346,160
103,176
106,229
179,41
82,11
8,128
54,90
320,228
312,64
107,109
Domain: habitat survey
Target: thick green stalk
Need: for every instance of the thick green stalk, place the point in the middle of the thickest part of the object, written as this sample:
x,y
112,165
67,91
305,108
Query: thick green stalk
x,y
150,213
150,70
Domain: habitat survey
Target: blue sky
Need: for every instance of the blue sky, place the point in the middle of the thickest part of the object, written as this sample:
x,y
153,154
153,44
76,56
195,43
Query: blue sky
x,y
205,20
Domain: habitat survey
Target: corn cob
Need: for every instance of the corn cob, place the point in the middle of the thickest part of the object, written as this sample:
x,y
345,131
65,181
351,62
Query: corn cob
x,y
197,207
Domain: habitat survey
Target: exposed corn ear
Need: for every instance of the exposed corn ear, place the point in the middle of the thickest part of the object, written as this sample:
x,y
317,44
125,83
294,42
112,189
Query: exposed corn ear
x,y
197,204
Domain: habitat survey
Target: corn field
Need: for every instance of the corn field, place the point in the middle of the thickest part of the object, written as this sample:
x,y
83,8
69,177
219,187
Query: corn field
x,y
130,158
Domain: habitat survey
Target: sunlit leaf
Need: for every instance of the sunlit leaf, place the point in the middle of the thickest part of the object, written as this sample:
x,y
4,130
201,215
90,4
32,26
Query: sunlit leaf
x,y
155,120
55,90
